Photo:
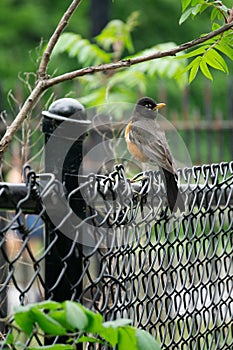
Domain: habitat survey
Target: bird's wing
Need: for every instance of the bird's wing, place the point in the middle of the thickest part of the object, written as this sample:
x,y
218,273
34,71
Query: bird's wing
x,y
151,140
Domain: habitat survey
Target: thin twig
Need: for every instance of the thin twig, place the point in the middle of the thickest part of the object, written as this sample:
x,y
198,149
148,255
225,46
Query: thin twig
x,y
54,38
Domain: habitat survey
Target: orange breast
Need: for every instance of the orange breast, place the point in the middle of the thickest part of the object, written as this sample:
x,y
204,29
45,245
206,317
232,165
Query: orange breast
x,y
136,152
133,149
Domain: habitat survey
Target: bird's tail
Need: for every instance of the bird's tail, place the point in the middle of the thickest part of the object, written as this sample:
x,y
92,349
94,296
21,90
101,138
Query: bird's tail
x,y
174,198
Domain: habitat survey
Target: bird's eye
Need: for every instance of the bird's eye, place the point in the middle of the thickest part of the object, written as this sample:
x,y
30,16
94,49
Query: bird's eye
x,y
149,106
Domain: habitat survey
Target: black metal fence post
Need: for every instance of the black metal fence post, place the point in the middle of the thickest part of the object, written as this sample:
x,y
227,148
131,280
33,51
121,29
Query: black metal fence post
x,y
64,126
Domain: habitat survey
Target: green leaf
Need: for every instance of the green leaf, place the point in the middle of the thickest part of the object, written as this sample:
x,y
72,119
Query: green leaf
x,y
53,347
196,9
211,41
109,334
200,6
111,329
130,78
215,60
25,320
118,323
47,304
185,4
166,67
195,52
205,70
214,14
193,65
24,308
95,320
194,69
9,339
195,2
145,341
100,55
127,339
115,32
204,7
226,49
132,21
60,317
75,315
86,52
65,41
77,46
47,323
215,26
185,16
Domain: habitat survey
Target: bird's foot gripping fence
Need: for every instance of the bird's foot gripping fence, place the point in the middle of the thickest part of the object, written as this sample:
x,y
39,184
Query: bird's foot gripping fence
x,y
125,254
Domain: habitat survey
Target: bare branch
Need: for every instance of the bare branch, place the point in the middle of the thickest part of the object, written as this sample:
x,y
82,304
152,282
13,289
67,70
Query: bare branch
x,y
184,46
135,60
54,38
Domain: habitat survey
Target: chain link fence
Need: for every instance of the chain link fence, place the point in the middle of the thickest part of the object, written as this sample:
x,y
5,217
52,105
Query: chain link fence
x,y
172,275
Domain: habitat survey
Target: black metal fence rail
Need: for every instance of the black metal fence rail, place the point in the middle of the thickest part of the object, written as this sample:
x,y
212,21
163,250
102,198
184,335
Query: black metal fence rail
x,y
112,244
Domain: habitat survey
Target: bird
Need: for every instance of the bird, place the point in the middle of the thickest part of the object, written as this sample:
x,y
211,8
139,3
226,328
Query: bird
x,y
147,143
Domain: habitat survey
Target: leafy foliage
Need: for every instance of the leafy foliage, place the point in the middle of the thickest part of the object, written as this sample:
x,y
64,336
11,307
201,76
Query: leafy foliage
x,y
85,52
114,41
80,325
209,53
117,34
195,7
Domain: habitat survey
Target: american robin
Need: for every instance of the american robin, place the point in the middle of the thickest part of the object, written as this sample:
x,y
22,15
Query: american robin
x,y
147,143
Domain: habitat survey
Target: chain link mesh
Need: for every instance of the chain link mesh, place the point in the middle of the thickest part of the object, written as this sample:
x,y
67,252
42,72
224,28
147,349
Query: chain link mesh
x,y
172,274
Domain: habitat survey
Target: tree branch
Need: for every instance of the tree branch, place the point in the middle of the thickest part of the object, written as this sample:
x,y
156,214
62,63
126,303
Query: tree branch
x,y
44,83
135,60
54,38
230,17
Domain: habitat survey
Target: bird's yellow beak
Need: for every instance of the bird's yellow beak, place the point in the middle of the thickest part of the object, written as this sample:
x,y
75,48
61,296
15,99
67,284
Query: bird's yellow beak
x,y
159,105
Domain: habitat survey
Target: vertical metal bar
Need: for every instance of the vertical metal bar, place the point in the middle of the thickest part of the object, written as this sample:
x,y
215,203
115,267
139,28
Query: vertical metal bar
x,y
209,134
3,275
63,156
186,104
197,137
220,134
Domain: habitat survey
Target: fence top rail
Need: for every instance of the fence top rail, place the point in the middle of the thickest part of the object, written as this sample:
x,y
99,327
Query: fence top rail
x,y
209,185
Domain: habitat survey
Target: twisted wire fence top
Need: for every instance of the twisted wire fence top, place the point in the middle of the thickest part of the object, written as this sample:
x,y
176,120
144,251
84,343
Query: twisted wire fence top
x,y
171,273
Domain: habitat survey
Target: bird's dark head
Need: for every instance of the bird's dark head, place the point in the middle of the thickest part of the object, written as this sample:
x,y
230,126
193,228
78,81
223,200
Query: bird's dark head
x,y
146,107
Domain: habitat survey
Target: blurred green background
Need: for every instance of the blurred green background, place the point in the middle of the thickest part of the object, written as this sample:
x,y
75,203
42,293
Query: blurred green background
x,y
202,111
